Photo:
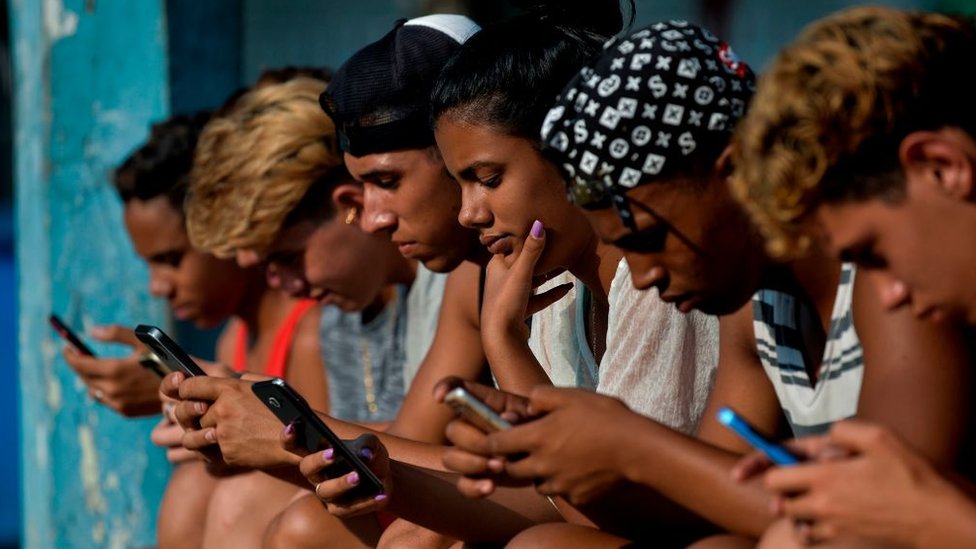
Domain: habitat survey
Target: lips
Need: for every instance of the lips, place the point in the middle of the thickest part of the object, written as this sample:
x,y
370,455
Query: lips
x,y
182,312
407,249
498,244
683,302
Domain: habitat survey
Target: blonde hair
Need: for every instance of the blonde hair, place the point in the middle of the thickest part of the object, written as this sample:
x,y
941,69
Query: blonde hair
x,y
828,116
255,162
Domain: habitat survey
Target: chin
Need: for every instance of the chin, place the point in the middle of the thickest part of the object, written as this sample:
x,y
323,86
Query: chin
x,y
442,263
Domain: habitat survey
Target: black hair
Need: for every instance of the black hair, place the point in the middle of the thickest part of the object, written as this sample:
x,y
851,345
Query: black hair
x,y
161,166
510,73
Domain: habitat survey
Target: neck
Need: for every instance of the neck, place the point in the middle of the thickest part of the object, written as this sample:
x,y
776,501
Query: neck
x,y
596,267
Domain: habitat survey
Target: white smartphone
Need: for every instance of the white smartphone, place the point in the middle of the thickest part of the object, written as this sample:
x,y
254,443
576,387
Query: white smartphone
x,y
475,411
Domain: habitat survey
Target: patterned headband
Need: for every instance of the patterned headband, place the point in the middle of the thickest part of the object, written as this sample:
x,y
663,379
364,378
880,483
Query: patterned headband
x,y
649,101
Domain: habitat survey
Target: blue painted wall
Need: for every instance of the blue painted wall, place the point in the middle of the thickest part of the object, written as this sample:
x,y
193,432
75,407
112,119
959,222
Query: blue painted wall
x,y
89,77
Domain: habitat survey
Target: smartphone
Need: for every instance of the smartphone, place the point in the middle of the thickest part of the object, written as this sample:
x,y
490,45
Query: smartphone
x,y
474,411
167,351
314,435
68,335
777,453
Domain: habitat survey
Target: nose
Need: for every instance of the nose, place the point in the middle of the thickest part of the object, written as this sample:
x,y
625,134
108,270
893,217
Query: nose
x,y
247,258
473,214
377,218
892,292
159,284
645,273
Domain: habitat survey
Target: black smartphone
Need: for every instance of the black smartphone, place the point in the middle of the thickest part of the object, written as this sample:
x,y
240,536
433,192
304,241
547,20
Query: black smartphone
x,y
314,435
61,328
474,411
167,351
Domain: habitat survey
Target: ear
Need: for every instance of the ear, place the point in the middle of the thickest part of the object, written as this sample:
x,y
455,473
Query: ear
x,y
347,196
723,164
939,158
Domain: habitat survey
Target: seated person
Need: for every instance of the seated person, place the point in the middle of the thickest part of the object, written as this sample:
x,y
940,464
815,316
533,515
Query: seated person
x,y
865,129
646,148
205,290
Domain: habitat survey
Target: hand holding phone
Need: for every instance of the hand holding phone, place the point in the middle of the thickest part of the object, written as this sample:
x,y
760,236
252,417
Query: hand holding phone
x,y
314,435
167,352
474,411
61,328
777,453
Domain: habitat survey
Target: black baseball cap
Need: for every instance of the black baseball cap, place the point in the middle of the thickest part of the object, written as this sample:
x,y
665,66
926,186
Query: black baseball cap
x,y
379,99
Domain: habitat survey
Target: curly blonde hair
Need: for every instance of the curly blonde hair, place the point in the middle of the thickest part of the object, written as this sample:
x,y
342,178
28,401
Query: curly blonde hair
x,y
255,161
829,114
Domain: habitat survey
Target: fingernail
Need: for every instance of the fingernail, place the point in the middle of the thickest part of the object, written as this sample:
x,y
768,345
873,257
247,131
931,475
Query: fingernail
x,y
210,435
496,465
327,454
537,229
380,497
175,380
352,478
289,429
99,331
367,454
198,406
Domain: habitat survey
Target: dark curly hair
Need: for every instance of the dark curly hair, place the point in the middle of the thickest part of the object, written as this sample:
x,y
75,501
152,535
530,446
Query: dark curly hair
x,y
161,166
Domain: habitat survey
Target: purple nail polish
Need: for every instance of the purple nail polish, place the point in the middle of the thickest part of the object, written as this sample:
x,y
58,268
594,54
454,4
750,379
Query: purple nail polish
x,y
289,429
353,478
380,497
327,454
537,229
366,454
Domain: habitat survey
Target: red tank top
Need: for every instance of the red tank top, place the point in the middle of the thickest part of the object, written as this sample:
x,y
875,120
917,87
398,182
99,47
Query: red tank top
x,y
278,360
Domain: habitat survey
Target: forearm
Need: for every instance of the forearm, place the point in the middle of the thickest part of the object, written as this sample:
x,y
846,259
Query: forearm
x,y
515,368
674,473
430,499
415,453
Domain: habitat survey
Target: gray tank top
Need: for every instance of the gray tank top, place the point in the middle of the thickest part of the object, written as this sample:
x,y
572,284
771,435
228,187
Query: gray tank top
x,y
365,359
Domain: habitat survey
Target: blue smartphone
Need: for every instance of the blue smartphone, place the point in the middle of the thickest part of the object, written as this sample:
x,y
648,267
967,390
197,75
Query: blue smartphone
x,y
777,453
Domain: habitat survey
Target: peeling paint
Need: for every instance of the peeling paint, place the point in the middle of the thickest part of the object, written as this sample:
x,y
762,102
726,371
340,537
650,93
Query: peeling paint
x,y
121,536
58,22
90,478
98,532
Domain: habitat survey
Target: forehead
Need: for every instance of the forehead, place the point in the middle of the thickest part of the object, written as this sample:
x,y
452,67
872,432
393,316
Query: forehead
x,y
155,218
387,162
291,239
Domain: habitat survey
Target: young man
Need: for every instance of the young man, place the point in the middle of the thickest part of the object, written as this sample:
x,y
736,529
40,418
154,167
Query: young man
x,y
864,129
644,137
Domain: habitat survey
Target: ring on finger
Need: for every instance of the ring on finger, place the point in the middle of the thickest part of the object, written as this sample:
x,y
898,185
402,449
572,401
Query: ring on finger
x,y
317,490
99,395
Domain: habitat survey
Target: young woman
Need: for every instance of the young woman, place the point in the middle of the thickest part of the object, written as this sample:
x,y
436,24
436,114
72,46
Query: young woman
x,y
267,332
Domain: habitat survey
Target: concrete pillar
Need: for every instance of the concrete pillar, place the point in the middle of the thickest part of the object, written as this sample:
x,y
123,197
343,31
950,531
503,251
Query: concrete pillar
x,y
90,75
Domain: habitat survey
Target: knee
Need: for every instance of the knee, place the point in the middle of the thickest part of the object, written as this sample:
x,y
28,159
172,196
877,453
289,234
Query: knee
x,y
402,535
543,535
299,525
779,535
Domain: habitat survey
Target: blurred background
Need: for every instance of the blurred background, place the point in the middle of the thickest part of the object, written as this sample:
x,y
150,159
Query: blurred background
x,y
80,82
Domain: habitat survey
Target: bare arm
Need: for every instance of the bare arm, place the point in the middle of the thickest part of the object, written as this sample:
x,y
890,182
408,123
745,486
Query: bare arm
x,y
455,351
917,376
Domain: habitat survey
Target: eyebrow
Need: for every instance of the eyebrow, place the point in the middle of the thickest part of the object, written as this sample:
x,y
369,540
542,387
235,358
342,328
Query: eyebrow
x,y
158,257
379,173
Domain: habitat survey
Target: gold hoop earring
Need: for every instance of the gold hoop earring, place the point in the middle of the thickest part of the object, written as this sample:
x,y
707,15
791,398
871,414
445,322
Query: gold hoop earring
x,y
351,215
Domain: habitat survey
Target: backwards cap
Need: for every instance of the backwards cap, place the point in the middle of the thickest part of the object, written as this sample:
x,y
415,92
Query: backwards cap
x,y
380,98
651,99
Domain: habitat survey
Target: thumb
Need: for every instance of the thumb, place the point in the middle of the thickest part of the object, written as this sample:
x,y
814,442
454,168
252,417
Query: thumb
x,y
116,334
861,437
546,398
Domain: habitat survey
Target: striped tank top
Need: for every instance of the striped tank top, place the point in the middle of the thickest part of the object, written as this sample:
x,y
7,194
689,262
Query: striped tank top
x,y
810,409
